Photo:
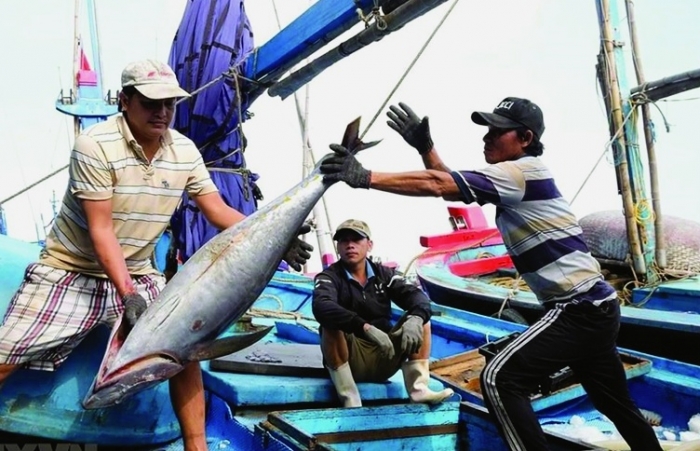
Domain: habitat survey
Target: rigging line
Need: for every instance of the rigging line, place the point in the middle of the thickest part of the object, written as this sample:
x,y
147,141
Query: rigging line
x,y
203,87
408,69
98,51
605,150
28,187
303,123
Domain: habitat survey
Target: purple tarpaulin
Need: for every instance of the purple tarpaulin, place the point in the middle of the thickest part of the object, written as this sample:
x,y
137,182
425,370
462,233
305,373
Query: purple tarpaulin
x,y
214,35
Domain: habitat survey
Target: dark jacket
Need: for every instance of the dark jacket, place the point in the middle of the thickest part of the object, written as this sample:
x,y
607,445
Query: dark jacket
x,y
341,303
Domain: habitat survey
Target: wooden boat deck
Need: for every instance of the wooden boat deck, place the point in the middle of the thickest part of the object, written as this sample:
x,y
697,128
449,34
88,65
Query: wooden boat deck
x,y
462,372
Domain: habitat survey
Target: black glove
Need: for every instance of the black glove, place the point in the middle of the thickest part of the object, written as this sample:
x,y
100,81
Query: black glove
x,y
344,167
415,131
134,306
299,251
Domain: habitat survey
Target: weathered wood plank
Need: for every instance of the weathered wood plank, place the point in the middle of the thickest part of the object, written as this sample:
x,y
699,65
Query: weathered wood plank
x,y
281,359
462,372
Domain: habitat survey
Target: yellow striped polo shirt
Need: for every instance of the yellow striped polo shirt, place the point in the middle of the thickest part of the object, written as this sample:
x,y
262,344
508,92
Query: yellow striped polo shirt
x,y
108,163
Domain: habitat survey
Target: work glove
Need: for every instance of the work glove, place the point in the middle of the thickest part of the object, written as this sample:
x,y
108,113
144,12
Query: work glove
x,y
411,334
414,130
134,306
343,166
382,340
299,251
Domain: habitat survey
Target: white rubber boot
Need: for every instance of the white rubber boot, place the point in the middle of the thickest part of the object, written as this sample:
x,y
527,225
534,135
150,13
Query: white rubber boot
x,y
345,386
416,375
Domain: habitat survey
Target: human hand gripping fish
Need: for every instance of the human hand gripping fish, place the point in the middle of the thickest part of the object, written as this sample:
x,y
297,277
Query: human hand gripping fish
x,y
211,291
341,165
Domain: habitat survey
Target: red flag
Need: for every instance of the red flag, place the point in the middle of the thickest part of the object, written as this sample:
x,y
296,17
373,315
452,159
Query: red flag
x,y
84,63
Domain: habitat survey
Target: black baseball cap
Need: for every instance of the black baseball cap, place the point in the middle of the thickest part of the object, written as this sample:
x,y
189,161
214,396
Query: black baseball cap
x,y
513,112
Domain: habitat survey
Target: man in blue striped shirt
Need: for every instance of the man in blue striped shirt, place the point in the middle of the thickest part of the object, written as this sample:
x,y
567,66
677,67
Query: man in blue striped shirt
x,y
545,242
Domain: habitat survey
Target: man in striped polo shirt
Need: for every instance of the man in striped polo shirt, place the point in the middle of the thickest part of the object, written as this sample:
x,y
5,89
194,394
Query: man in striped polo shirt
x,y
127,175
545,241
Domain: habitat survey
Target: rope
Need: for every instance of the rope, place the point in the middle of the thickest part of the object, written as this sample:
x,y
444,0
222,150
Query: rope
x,y
299,280
279,312
605,150
408,69
374,13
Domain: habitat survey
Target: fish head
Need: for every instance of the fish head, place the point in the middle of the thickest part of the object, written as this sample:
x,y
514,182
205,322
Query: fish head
x,y
113,384
130,366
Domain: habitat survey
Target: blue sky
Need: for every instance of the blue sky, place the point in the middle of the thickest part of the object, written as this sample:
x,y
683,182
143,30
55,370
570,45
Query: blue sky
x,y
542,49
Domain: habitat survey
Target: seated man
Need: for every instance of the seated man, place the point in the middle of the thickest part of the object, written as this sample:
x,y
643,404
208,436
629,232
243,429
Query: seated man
x,y
352,303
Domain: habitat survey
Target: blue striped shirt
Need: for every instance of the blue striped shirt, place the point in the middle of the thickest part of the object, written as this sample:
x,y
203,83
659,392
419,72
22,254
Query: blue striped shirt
x,y
539,230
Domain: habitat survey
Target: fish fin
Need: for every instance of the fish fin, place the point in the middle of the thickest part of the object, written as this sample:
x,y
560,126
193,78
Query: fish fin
x,y
352,132
225,346
351,138
362,145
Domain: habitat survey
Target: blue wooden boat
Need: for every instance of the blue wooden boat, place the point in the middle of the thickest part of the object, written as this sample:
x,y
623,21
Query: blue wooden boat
x,y
250,394
469,269
447,427
245,408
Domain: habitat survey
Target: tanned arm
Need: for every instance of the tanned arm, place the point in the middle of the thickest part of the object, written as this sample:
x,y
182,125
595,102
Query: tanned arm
x,y
431,160
428,183
107,249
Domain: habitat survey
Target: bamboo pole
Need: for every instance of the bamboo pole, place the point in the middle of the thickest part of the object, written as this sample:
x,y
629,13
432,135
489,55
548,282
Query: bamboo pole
x,y
669,86
622,165
651,151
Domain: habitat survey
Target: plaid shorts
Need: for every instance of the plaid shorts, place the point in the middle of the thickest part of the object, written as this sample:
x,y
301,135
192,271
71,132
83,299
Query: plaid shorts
x,y
54,310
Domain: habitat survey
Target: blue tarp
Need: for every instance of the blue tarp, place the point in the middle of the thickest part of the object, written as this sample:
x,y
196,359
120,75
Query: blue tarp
x,y
214,35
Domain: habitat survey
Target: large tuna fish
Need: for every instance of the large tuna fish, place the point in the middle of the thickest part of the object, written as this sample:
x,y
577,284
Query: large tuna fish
x,y
216,286
605,233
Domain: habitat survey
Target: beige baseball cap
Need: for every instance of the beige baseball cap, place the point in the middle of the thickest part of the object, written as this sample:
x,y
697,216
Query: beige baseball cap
x,y
355,225
152,79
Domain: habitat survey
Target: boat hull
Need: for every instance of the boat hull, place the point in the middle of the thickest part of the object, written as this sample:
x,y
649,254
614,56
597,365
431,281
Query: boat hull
x,y
469,269
48,403
240,404
646,334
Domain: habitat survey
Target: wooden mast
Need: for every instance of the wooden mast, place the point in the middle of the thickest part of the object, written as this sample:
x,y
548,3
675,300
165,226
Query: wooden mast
x,y
648,136
620,145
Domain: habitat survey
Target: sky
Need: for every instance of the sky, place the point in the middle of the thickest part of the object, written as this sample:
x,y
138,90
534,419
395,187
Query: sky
x,y
544,50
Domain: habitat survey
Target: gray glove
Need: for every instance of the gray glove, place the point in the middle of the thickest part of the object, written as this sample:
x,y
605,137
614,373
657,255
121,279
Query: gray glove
x,y
134,306
344,167
414,130
299,251
411,334
381,339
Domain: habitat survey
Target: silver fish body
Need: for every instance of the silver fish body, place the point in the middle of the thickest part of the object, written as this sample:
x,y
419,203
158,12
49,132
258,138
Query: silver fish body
x,y
211,291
